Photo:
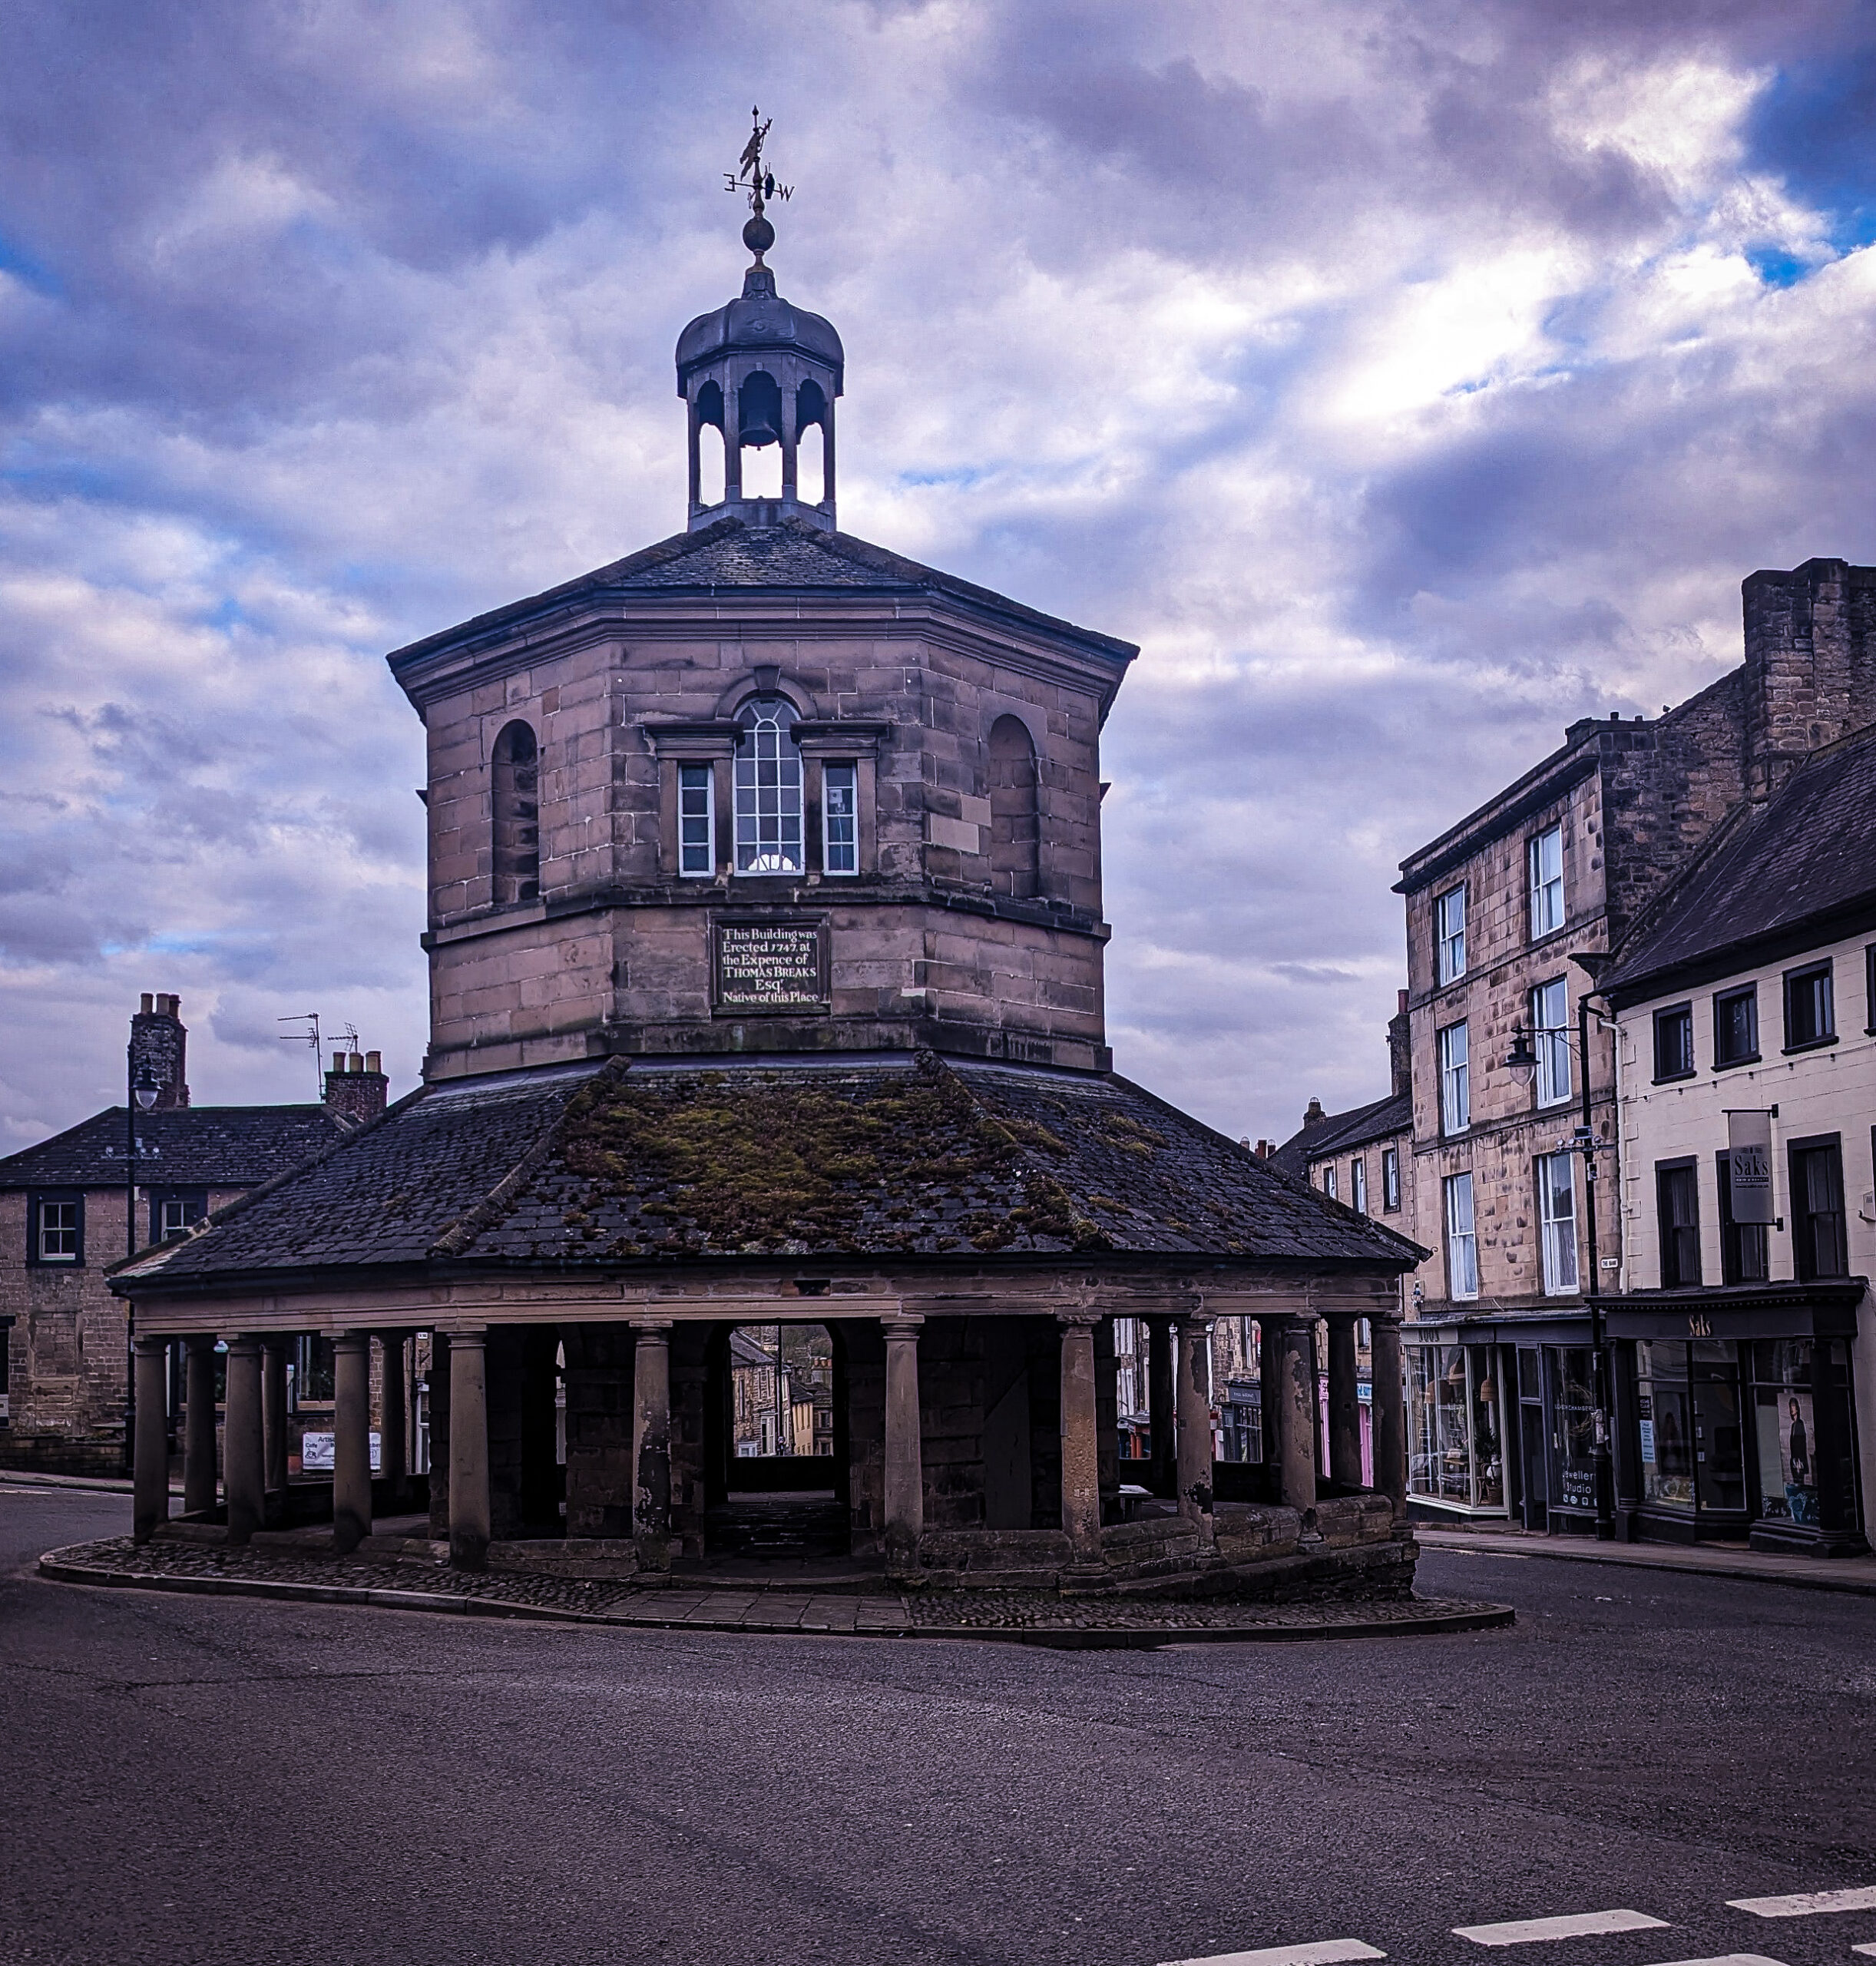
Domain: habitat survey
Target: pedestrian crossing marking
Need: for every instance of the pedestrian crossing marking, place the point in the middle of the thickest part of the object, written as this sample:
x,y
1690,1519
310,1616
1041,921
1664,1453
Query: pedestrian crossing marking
x,y
1325,1952
1807,1904
1577,1924
1727,1959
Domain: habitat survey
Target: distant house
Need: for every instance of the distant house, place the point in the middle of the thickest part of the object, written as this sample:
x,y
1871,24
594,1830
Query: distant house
x,y
64,1365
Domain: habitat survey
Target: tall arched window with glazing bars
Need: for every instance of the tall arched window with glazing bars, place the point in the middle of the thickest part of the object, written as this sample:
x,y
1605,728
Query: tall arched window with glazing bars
x,y
768,788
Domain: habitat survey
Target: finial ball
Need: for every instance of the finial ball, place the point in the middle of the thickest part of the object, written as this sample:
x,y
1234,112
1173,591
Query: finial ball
x,y
759,235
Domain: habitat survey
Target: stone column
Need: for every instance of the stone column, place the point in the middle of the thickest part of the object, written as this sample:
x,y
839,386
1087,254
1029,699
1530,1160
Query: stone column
x,y
1161,1407
273,1418
244,1470
351,1447
468,1451
199,1425
1390,1410
651,1446
393,1449
1345,1406
1193,1338
904,1469
150,1449
1295,1411
1081,1489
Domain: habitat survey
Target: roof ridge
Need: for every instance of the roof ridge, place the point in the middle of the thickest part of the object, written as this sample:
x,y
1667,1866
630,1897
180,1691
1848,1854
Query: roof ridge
x,y
459,1235
246,1200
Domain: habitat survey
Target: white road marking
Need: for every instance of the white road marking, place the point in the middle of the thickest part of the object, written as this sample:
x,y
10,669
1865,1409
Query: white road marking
x,y
1727,1959
1578,1924
1867,1952
1806,1904
1325,1952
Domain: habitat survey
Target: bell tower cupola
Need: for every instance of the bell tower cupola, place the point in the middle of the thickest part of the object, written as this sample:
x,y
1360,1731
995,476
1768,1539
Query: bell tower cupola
x,y
760,370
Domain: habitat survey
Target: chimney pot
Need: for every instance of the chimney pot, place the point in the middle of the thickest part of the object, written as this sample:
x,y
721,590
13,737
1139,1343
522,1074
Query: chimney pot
x,y
146,1008
355,1063
374,1061
339,1061
1401,1001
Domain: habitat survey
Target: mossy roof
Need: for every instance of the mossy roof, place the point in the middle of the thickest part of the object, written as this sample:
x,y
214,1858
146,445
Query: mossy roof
x,y
869,1158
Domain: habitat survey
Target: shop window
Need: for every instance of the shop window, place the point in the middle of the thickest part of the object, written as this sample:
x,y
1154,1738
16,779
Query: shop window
x,y
1810,1015
1391,1180
1735,1026
768,789
1550,1021
1745,1247
1869,990
697,821
1674,1043
1785,1424
1677,1205
1358,1185
514,812
56,1229
1572,1429
1456,1443
840,820
1462,1246
1455,1079
1449,934
1664,1408
1544,860
1818,1247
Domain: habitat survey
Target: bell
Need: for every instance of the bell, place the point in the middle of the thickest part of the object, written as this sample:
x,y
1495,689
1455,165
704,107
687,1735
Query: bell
x,y
760,429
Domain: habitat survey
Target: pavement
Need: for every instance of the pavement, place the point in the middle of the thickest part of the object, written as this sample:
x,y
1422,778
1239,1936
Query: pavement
x,y
1856,1574
1642,1754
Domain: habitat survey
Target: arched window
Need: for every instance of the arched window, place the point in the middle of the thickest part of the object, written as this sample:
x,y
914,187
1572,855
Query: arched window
x,y
768,788
514,807
1015,824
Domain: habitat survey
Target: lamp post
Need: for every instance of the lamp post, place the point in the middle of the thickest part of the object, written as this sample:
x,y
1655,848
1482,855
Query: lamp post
x,y
1522,1062
144,1089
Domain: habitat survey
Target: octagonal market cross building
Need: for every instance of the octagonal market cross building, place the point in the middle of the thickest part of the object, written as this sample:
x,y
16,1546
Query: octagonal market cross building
x,y
766,949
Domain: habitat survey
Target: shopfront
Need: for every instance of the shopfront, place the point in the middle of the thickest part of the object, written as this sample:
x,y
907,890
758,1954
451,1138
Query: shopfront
x,y
1736,1417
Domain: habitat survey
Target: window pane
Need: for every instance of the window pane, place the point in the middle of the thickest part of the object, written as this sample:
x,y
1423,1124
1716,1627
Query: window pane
x,y
1358,1185
1735,1026
1546,882
1391,1180
1461,1241
1455,1088
768,789
1449,916
1807,1008
1549,1016
59,1232
840,846
1556,1208
696,848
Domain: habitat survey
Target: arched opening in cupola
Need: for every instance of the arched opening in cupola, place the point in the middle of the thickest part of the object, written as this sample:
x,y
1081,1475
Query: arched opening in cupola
x,y
515,803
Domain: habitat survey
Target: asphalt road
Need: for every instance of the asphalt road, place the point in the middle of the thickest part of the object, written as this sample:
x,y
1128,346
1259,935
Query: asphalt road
x,y
193,1779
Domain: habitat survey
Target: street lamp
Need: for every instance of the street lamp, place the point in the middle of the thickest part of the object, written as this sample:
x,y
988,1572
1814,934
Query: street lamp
x,y
145,1089
1521,1061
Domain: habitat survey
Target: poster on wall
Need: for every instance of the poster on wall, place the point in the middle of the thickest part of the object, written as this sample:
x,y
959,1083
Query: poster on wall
x,y
1749,1155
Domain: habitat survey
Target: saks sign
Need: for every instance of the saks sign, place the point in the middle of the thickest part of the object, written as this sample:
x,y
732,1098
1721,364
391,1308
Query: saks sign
x,y
1749,1165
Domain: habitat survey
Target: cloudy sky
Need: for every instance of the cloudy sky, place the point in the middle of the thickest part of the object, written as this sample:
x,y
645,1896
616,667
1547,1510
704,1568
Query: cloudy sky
x,y
1408,379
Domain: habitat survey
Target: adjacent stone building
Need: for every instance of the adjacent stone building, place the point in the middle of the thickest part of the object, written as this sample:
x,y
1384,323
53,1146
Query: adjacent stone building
x,y
1512,915
766,942
63,1205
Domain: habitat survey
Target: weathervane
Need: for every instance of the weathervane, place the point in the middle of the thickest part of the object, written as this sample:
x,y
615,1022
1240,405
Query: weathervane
x,y
754,177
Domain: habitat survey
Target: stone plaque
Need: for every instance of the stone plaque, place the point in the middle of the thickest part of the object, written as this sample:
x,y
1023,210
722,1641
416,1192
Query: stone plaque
x,y
770,969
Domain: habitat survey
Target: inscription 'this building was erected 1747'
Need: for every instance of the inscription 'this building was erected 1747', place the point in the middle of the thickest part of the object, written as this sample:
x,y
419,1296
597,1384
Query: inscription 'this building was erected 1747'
x,y
771,965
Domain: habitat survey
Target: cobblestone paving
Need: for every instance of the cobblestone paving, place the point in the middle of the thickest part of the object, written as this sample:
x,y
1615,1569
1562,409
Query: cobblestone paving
x,y
983,1613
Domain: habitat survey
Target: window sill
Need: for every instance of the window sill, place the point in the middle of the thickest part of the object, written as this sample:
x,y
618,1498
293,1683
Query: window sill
x,y
1810,1044
1744,1059
1675,1078
1549,935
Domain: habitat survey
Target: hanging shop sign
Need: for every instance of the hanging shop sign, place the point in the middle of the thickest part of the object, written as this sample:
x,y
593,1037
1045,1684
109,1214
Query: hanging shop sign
x,y
1749,1155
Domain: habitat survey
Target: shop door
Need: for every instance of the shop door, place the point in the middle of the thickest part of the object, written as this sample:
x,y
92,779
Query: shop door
x,y
1719,1434
1534,1461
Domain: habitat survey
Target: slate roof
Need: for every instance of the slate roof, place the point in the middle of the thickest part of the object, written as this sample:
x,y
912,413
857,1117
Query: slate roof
x,y
231,1146
1807,854
1339,1131
793,555
872,1157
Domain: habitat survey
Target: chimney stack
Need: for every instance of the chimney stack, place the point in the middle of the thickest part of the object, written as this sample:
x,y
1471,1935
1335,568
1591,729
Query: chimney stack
x,y
159,1045
356,1088
1810,674
1313,1114
1400,1051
